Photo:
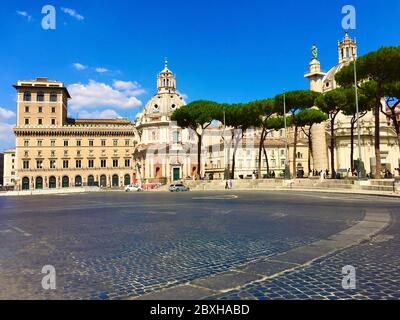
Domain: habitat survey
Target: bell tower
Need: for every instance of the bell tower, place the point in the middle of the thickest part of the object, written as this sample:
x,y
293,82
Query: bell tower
x,y
166,81
347,49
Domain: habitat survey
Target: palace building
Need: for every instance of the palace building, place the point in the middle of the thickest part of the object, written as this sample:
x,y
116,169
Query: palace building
x,y
54,151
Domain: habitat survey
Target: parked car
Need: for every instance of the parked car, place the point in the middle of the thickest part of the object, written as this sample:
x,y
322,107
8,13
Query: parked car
x,y
134,187
177,187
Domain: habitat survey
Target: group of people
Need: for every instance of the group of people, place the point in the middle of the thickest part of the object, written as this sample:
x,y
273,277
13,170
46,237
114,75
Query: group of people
x,y
228,185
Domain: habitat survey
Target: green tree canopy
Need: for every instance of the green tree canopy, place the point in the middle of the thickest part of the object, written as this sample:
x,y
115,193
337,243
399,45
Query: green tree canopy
x,y
198,116
382,67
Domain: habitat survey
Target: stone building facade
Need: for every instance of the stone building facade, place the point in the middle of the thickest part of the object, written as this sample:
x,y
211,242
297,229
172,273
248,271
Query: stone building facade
x,y
54,151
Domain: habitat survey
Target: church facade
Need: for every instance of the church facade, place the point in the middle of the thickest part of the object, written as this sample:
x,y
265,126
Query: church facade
x,y
165,152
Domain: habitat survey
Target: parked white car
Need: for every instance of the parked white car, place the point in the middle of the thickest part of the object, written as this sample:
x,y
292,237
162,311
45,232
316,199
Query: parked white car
x,y
134,187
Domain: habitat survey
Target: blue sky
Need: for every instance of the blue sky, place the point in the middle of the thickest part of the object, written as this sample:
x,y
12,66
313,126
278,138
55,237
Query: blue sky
x,y
227,51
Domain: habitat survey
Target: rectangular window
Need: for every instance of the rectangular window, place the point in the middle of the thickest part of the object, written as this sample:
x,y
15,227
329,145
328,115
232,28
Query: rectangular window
x,y
103,143
53,122
53,153
65,143
78,153
25,164
39,164
53,143
91,143
26,121
52,164
115,143
53,109
91,163
103,163
26,109
78,143
40,109
40,122
126,143
127,163
115,163
65,164
78,164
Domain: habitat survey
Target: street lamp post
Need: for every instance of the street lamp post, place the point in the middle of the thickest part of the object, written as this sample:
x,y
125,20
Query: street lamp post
x,y
360,164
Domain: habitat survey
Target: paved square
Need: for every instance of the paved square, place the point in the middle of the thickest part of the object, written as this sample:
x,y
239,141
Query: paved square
x,y
116,245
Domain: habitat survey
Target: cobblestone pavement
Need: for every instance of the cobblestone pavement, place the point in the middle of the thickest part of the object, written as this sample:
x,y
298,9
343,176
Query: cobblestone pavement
x,y
117,245
377,264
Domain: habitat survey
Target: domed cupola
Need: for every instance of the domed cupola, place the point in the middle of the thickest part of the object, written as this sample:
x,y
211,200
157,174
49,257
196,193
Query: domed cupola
x,y
166,81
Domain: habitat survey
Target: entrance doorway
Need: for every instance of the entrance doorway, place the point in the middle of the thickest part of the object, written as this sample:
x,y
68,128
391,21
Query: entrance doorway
x,y
25,183
39,183
176,173
52,182
103,181
65,182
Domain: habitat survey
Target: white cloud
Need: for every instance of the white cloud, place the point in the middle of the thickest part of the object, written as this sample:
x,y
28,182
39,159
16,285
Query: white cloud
x,y
101,70
183,95
130,87
73,13
6,114
7,137
79,66
105,114
97,94
24,14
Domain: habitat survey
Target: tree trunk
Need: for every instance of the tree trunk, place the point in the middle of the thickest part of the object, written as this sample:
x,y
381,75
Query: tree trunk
x,y
396,124
266,159
378,97
333,148
295,150
353,121
236,141
199,144
260,147
310,153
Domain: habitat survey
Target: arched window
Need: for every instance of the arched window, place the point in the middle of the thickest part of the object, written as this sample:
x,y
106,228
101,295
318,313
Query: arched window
x,y
40,96
52,182
53,97
25,183
27,96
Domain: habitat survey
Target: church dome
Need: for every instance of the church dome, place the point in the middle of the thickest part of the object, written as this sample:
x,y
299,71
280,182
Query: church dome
x,y
165,102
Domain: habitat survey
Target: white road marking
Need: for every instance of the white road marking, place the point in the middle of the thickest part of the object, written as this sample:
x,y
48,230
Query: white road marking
x,y
227,197
26,234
